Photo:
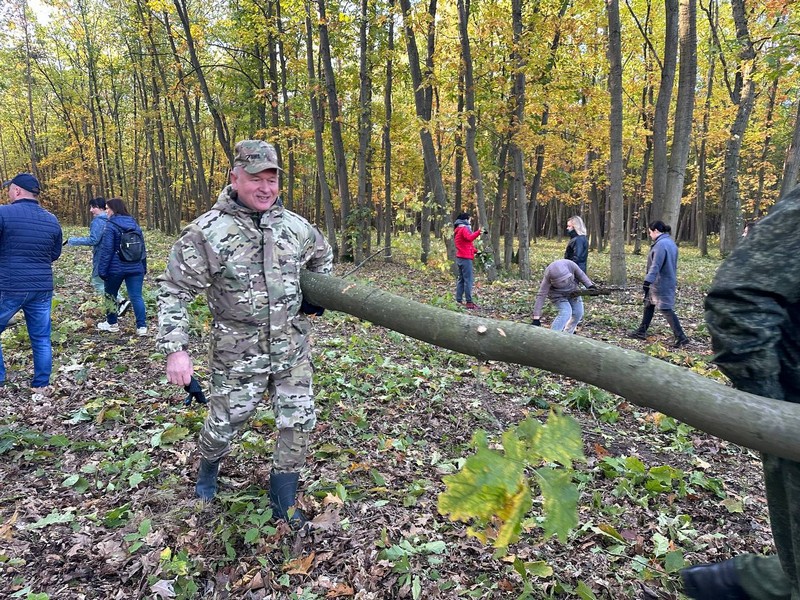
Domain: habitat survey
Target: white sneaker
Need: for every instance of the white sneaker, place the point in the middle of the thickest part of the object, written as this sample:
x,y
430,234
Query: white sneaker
x,y
106,326
141,331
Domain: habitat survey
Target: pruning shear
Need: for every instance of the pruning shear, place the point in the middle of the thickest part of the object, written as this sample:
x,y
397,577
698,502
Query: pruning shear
x,y
195,392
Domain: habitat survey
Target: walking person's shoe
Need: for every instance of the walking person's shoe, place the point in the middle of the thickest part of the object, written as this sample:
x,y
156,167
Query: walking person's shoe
x,y
471,305
715,581
122,306
140,331
682,341
106,326
637,334
206,487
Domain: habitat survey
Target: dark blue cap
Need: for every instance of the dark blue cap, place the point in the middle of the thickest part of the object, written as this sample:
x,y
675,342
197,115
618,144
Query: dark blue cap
x,y
26,181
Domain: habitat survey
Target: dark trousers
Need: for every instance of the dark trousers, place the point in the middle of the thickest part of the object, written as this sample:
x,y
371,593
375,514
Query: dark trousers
x,y
776,577
669,315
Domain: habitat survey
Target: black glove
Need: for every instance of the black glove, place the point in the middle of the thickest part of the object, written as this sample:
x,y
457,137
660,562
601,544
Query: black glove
x,y
195,393
536,322
592,287
311,309
646,288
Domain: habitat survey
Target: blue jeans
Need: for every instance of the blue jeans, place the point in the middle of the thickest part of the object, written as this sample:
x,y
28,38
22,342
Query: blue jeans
x,y
465,279
36,308
570,313
133,283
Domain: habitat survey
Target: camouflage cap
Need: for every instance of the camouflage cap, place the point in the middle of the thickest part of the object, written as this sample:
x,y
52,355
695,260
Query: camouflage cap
x,y
255,156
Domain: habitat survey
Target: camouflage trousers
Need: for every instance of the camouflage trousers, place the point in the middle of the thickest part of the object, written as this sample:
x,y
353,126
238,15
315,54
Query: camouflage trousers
x,y
234,397
775,577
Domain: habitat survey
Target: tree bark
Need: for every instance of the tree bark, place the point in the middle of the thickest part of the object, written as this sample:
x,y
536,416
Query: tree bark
x,y
684,112
218,117
517,158
763,424
387,136
616,227
744,98
336,131
364,136
661,117
319,148
471,131
792,164
423,99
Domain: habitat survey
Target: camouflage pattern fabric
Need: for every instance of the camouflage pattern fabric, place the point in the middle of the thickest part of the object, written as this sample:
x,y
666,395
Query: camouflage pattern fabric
x,y
248,265
255,156
234,397
753,314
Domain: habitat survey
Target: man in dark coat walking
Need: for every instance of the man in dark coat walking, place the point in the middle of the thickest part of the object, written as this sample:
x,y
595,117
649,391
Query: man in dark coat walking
x,y
30,240
753,314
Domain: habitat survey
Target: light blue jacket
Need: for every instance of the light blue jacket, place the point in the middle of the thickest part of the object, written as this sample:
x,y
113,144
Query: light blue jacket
x,y
662,271
96,230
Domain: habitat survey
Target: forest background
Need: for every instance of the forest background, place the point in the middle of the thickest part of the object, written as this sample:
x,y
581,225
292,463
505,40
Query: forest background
x,y
526,112
388,119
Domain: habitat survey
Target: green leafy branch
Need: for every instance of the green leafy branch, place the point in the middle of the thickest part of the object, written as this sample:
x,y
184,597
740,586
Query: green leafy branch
x,y
494,492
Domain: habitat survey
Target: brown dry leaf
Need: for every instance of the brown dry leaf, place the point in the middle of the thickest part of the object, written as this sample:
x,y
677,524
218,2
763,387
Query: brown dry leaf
x,y
301,565
332,499
339,590
258,582
600,451
6,528
327,520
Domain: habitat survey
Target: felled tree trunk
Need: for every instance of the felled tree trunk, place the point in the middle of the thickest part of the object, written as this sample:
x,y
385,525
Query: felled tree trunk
x,y
760,423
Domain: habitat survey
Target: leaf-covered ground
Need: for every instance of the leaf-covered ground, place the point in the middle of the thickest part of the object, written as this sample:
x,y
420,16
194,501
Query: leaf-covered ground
x,y
97,478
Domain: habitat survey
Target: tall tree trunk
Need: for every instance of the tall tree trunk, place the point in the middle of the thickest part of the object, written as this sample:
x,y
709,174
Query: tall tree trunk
x,y
661,117
791,166
517,159
199,169
702,228
388,217
336,132
472,155
744,98
684,112
220,125
616,227
423,99
765,147
364,135
291,140
319,148
544,80
33,153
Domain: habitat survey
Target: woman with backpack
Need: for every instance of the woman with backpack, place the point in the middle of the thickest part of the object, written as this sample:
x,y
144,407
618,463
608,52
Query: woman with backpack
x,y
122,258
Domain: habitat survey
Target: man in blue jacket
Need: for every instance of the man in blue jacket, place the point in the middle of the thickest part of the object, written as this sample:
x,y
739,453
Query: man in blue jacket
x,y
30,240
97,206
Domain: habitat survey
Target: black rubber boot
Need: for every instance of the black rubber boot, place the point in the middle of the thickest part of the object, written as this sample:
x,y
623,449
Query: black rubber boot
x,y
283,495
206,487
716,581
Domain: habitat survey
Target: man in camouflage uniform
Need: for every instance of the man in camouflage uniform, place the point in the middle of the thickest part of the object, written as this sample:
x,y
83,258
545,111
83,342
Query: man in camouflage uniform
x,y
246,254
753,314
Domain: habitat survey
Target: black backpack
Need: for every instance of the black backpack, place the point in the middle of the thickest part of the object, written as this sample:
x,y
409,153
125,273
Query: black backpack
x,y
131,245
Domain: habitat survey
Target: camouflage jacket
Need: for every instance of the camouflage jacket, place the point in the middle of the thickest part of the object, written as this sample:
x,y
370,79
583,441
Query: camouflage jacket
x,y
248,264
753,306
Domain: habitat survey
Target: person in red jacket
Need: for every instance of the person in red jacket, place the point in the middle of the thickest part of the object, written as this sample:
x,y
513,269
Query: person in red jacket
x,y
465,255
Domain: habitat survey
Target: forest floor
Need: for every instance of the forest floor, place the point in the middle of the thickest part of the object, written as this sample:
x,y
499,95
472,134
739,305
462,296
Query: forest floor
x,y
97,496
